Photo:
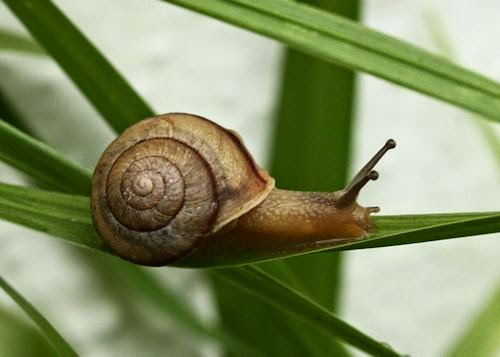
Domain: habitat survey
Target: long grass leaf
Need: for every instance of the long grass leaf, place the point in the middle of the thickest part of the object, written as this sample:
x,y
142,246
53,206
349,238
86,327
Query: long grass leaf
x,y
55,339
68,217
100,82
41,162
344,42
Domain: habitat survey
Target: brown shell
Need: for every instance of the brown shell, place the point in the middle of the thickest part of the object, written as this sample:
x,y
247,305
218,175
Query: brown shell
x,y
170,181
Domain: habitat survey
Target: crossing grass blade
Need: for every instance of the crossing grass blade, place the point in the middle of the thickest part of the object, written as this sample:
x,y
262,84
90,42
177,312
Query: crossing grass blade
x,y
41,162
279,296
99,81
68,217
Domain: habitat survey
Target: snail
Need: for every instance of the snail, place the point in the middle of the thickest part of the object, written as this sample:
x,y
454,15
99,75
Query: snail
x,y
178,189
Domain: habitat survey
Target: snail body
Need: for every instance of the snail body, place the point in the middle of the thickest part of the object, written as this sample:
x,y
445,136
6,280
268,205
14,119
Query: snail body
x,y
179,189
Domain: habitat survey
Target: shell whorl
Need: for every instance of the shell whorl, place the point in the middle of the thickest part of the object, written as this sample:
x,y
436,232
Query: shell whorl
x,y
168,182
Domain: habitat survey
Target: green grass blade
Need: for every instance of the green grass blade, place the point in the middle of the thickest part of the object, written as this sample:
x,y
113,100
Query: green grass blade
x,y
265,287
68,217
482,335
55,339
61,215
100,82
11,41
338,40
409,229
41,162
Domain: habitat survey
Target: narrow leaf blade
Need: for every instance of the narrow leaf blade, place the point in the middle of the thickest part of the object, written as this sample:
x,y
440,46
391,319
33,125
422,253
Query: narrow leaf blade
x,y
263,286
41,162
55,339
68,217
99,81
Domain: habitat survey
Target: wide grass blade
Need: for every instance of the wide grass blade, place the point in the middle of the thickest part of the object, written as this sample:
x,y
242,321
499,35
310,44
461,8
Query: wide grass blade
x,y
282,297
55,339
349,44
41,162
11,41
99,81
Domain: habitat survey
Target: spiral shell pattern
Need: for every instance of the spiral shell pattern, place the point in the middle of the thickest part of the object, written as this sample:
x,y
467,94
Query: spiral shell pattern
x,y
169,182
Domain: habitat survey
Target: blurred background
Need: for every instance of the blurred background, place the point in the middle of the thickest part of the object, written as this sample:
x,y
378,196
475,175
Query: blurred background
x,y
418,298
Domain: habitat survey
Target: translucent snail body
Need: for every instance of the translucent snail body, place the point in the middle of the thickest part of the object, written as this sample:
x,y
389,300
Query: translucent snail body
x,y
179,189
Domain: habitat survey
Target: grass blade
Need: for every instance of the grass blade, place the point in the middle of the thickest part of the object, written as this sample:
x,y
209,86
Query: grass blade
x,y
41,162
338,40
263,286
99,81
55,339
11,41
68,217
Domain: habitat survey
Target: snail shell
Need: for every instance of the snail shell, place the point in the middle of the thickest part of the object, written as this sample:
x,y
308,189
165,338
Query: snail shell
x,y
170,182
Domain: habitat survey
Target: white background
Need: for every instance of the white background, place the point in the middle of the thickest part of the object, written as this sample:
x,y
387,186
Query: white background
x,y
417,298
